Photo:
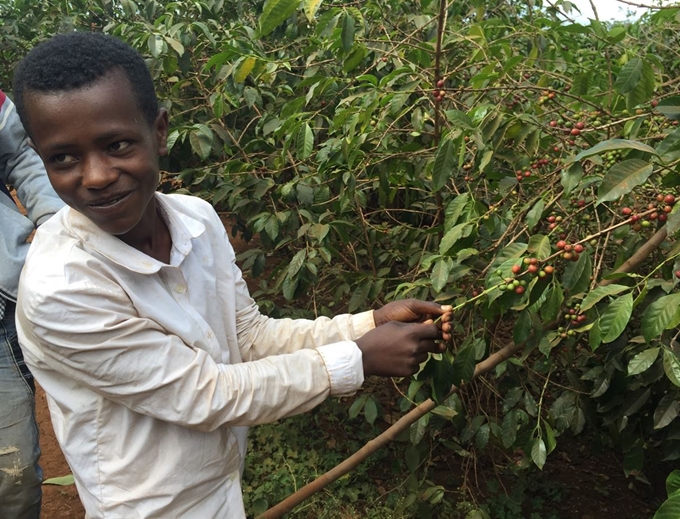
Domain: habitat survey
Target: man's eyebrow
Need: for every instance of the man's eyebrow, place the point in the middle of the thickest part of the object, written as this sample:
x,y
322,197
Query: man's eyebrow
x,y
110,135
57,146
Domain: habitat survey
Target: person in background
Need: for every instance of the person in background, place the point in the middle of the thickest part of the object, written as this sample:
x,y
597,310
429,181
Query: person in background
x,y
22,169
135,319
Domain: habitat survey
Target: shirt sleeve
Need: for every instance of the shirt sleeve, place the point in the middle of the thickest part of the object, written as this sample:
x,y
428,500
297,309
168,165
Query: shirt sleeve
x,y
21,167
261,337
88,331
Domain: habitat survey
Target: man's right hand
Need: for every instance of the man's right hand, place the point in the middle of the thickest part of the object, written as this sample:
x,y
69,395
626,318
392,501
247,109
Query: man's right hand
x,y
397,349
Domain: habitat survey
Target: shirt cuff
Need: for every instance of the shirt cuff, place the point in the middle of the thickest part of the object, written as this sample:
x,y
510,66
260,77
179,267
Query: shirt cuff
x,y
344,365
363,323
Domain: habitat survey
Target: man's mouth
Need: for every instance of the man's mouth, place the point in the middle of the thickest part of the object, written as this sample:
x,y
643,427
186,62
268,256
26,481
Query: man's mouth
x,y
108,202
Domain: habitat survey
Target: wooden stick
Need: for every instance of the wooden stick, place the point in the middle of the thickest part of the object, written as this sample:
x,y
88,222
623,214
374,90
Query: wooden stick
x,y
380,441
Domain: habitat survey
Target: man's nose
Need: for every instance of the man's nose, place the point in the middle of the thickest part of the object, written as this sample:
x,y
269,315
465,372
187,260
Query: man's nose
x,y
98,172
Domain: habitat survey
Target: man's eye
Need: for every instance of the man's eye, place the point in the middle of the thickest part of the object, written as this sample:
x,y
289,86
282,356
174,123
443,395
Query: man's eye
x,y
63,158
119,146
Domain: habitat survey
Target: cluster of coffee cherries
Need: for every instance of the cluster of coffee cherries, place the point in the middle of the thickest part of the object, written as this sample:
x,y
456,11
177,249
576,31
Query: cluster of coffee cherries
x,y
438,93
573,317
533,169
528,266
664,205
569,252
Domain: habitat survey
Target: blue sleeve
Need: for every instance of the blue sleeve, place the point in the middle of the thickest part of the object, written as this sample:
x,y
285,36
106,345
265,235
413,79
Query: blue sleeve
x,y
21,167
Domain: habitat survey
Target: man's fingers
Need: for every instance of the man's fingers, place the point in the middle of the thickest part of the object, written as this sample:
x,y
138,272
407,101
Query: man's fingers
x,y
425,331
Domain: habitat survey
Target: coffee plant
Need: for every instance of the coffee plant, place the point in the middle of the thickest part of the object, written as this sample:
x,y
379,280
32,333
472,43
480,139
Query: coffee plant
x,y
492,155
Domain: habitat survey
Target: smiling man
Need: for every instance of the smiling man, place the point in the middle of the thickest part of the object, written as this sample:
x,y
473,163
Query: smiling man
x,y
136,320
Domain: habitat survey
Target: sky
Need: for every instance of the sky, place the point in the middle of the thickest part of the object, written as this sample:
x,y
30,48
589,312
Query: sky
x,y
612,9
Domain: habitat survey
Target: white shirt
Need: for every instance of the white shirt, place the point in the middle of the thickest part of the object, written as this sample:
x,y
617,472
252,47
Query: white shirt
x,y
146,366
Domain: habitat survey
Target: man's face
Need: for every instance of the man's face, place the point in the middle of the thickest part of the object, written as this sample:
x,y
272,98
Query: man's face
x,y
99,151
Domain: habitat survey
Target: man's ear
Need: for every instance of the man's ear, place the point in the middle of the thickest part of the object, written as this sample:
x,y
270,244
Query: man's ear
x,y
161,129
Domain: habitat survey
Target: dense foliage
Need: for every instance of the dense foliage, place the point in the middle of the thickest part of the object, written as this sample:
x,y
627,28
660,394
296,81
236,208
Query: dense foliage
x,y
488,154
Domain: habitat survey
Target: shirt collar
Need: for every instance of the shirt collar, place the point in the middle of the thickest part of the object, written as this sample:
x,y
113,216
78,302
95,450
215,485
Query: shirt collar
x,y
183,228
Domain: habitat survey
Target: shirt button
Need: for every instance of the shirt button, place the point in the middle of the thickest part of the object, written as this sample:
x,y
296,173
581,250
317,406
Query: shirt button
x,y
180,289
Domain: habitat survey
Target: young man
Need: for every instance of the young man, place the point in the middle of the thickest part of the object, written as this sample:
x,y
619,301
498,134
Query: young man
x,y
20,166
135,319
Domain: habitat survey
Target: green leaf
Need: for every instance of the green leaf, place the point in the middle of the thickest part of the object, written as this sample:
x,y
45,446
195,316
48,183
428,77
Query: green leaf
x,y
357,406
539,453
599,293
615,318
577,274
61,481
304,142
359,297
509,429
553,303
673,222
459,119
612,145
156,45
539,246
311,7
444,162
454,209
571,177
172,139
642,361
244,68
670,143
633,459
201,141
260,505
296,263
271,227
595,336
418,429
412,458
630,76
671,365
347,35
442,376
550,436
643,90
673,483
176,45
464,365
274,13
440,274
370,410
659,315
670,107
355,57
622,178
522,329
534,215
666,411
456,233
669,509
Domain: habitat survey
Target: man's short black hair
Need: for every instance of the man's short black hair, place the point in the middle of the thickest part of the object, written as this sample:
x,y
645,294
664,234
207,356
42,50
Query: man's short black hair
x,y
70,61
